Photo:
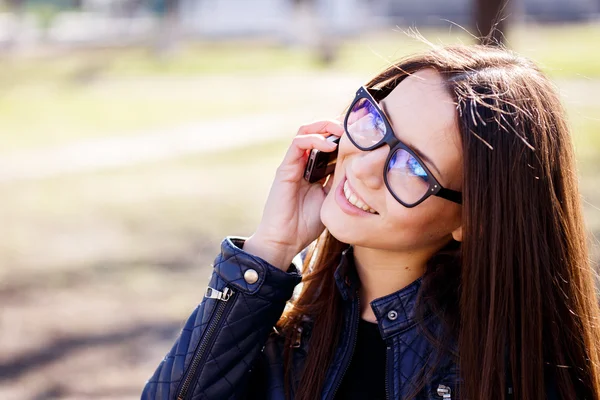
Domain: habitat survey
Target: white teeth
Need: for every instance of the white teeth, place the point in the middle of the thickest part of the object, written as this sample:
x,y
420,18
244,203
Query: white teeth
x,y
353,199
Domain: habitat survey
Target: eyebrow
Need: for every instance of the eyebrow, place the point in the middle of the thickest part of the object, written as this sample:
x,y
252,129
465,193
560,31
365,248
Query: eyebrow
x,y
421,155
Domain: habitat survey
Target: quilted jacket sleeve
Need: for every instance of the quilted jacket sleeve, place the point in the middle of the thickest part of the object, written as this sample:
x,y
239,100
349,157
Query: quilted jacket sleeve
x,y
222,338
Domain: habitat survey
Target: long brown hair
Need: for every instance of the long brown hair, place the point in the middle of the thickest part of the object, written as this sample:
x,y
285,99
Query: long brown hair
x,y
524,308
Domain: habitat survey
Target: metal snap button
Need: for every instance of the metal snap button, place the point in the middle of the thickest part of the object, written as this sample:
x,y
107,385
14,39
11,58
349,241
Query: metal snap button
x,y
444,391
251,276
392,315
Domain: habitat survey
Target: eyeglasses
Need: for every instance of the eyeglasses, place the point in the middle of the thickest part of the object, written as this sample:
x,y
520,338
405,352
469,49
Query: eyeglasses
x,y
407,178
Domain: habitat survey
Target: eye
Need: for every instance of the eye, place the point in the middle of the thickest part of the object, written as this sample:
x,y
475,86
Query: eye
x,y
379,124
416,169
370,107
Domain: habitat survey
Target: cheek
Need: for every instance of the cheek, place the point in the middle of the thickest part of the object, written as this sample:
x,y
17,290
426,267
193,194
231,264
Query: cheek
x,y
346,146
421,225
334,219
408,223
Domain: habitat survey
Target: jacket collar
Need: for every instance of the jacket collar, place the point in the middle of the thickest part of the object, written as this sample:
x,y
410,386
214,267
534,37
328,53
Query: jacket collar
x,y
346,277
395,312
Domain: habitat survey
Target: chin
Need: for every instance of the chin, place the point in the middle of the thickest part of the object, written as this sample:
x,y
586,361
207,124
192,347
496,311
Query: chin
x,y
344,237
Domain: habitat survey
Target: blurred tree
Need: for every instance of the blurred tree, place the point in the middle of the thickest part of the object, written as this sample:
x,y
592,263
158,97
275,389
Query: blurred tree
x,y
168,26
134,5
16,5
45,15
325,43
17,8
490,20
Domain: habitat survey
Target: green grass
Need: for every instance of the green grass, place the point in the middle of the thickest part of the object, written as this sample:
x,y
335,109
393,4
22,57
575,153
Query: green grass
x,y
563,51
585,128
39,115
96,93
147,211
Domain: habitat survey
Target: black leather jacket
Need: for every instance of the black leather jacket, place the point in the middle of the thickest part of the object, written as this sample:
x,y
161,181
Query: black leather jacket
x,y
229,350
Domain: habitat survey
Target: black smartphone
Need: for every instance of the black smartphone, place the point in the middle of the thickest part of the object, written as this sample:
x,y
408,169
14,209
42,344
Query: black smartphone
x,y
320,163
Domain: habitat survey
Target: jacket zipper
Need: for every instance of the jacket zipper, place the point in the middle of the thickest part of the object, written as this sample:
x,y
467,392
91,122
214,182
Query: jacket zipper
x,y
347,362
211,293
387,369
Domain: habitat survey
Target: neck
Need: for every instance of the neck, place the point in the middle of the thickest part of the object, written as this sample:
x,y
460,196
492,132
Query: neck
x,y
384,272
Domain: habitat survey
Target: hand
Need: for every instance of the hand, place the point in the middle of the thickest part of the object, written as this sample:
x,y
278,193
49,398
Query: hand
x,y
291,217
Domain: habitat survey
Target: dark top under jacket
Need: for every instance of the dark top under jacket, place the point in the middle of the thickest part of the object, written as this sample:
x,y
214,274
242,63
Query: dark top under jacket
x,y
365,378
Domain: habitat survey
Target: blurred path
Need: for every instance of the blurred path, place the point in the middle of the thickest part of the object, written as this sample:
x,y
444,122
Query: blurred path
x,y
310,96
206,136
123,150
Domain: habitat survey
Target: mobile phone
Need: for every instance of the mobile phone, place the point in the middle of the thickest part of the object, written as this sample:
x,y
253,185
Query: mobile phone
x,y
320,163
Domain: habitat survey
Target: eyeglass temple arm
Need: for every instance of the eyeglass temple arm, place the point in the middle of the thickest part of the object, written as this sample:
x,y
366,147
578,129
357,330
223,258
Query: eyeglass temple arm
x,y
380,93
450,194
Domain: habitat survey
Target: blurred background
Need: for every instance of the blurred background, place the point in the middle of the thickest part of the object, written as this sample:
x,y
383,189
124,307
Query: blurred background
x,y
136,134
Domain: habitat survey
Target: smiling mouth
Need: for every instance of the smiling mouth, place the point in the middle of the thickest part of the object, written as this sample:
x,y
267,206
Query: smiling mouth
x,y
355,200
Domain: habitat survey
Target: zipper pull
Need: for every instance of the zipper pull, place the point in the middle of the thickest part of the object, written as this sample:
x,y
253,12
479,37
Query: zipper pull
x,y
444,391
298,339
215,294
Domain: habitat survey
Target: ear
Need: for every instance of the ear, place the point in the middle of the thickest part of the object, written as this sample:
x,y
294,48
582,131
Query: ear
x,y
457,234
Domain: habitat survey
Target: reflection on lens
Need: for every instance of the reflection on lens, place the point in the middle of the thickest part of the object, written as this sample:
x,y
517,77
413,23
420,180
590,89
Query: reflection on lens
x,y
406,177
365,125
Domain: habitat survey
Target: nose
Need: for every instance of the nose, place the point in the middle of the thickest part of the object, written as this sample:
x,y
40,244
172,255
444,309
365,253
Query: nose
x,y
367,166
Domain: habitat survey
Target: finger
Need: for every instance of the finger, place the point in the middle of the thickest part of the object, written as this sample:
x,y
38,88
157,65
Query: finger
x,y
303,144
329,127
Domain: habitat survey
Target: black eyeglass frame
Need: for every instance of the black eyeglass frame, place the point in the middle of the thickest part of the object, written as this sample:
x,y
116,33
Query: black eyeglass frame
x,y
435,188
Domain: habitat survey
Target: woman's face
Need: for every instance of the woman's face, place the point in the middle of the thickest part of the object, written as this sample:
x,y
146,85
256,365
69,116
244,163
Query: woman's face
x,y
423,116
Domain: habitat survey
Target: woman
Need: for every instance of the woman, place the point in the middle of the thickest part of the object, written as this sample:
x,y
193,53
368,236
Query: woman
x,y
453,263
